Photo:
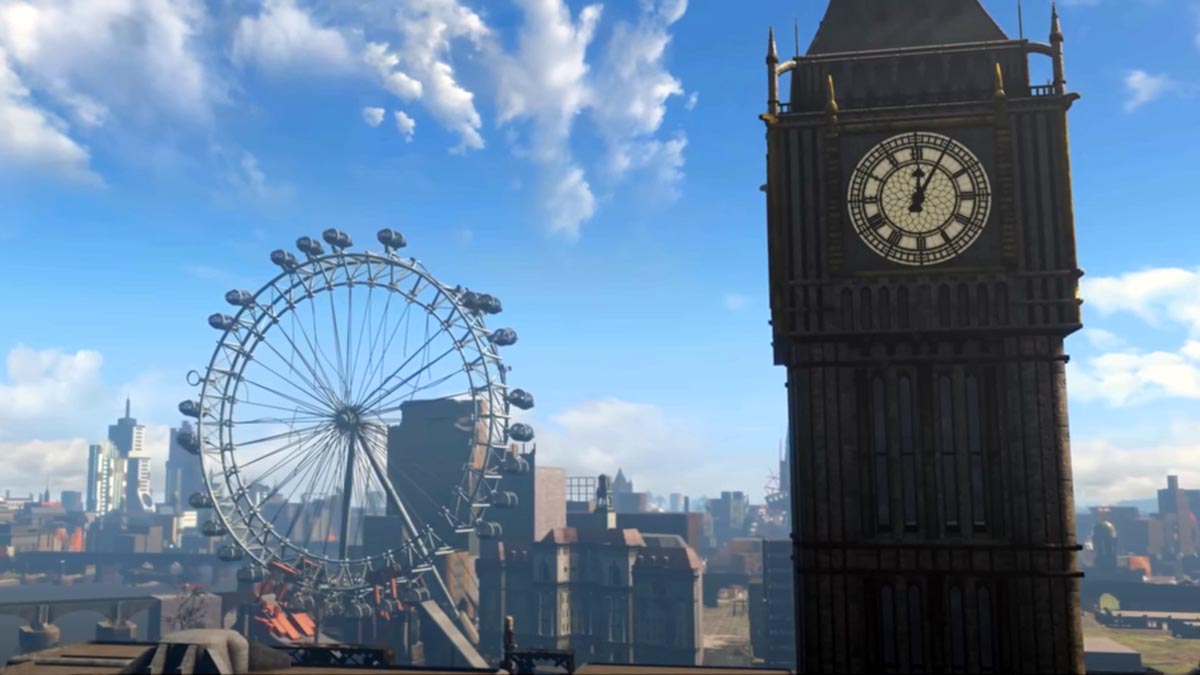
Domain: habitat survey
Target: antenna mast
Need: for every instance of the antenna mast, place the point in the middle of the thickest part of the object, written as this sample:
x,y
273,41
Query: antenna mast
x,y
1020,21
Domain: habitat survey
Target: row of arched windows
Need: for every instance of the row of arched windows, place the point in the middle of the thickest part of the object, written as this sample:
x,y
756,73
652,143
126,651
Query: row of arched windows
x,y
958,434
910,615
980,305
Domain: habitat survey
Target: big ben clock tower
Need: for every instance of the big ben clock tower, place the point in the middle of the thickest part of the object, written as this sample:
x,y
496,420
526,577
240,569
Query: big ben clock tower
x,y
923,276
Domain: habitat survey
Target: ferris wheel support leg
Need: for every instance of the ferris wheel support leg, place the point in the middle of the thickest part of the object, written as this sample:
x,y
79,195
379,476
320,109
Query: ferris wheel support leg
x,y
347,493
439,590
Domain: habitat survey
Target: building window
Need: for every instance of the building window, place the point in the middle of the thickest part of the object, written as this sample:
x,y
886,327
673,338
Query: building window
x,y
616,620
986,658
945,397
908,459
916,625
883,512
546,614
975,444
957,631
887,626
614,575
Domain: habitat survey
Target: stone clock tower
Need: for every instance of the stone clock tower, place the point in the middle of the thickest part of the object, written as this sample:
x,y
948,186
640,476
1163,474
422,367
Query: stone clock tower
x,y
923,276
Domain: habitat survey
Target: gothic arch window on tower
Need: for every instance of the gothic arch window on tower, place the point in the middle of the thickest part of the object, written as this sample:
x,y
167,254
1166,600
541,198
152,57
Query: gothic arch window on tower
x,y
903,321
847,309
885,308
867,309
964,306
943,305
879,445
949,452
887,626
905,415
987,660
916,620
982,309
958,643
1001,303
975,446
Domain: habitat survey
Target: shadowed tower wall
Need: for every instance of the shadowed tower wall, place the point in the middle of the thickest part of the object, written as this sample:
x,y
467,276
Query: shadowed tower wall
x,y
923,277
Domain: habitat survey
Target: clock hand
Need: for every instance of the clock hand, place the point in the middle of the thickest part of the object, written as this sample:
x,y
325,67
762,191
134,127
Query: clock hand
x,y
918,196
945,147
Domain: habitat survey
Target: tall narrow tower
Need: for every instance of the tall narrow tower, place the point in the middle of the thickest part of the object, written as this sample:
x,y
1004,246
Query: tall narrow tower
x,y
923,276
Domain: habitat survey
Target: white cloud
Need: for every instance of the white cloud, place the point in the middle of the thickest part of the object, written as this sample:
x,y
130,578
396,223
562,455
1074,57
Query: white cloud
x,y
245,179
604,435
692,100
734,301
1129,378
32,138
373,116
53,403
1107,472
1157,296
136,56
283,36
419,66
547,82
384,62
636,86
405,124
1142,88
1102,339
569,202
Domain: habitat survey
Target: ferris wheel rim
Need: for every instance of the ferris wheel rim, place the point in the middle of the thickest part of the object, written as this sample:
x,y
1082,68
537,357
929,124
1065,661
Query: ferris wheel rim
x,y
228,508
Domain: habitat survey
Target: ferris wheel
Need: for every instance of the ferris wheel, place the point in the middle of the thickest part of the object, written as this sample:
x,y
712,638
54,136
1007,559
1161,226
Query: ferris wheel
x,y
292,421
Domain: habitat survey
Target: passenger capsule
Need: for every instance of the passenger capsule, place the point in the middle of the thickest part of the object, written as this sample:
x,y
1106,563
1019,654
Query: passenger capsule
x,y
221,321
200,500
520,432
336,238
251,573
488,530
503,337
239,298
189,408
309,247
490,304
213,528
470,300
504,500
520,398
187,439
230,553
284,259
391,239
515,465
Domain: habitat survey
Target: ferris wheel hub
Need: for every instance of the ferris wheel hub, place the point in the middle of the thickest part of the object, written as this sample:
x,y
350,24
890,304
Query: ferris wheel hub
x,y
348,419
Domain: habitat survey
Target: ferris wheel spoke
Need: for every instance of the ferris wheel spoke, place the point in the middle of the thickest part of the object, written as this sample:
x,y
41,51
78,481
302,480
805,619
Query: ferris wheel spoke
x,y
320,377
304,406
404,320
279,420
347,495
389,489
394,404
282,448
376,399
311,414
362,332
311,388
313,385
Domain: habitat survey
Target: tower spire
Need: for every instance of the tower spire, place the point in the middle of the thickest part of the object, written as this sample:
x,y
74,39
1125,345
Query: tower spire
x,y
1055,24
1056,47
127,405
772,55
772,74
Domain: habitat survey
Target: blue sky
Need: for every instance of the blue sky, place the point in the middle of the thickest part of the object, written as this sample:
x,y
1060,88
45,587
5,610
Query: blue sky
x,y
596,166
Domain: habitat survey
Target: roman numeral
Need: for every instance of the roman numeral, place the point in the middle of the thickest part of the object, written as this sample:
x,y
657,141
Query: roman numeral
x,y
965,220
894,237
921,244
876,221
966,195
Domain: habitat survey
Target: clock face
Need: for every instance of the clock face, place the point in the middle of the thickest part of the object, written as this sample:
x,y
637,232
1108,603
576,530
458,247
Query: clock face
x,y
919,198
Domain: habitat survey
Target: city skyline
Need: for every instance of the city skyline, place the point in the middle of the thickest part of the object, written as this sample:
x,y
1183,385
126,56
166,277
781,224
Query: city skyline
x,y
121,310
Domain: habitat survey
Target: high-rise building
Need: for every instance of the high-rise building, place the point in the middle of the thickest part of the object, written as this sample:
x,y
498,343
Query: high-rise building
x,y
138,497
923,277
105,478
183,471
127,435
